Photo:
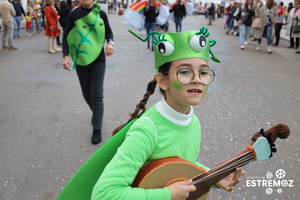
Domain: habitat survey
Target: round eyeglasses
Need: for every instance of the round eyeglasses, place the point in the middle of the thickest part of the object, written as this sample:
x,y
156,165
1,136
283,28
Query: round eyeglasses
x,y
185,76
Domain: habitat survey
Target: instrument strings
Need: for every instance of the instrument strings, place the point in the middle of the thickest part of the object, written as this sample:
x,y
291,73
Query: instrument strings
x,y
242,160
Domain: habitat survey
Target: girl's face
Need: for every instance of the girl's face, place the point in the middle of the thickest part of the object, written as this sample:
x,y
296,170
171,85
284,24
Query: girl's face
x,y
87,3
178,95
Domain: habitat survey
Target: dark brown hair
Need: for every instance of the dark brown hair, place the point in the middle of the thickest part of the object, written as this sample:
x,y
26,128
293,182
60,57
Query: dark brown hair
x,y
270,4
141,106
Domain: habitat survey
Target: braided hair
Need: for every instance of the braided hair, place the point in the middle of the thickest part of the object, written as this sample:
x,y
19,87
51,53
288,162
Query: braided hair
x,y
141,106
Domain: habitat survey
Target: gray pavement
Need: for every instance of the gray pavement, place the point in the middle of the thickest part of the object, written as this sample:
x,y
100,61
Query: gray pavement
x,y
45,123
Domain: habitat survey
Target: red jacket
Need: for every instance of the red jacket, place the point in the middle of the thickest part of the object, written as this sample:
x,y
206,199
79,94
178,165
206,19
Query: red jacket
x,y
51,20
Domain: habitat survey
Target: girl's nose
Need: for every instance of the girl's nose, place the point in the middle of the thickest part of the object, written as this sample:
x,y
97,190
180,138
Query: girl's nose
x,y
196,78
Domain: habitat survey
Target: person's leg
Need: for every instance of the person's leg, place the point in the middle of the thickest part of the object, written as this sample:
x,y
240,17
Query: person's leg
x,y
54,44
50,44
4,35
84,80
10,29
37,23
247,30
297,43
147,26
242,36
230,27
96,75
91,80
292,43
269,34
210,18
176,23
291,40
269,37
277,33
19,19
153,28
180,23
33,24
15,26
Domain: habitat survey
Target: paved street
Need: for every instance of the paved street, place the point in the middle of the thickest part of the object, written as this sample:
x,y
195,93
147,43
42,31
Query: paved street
x,y
45,124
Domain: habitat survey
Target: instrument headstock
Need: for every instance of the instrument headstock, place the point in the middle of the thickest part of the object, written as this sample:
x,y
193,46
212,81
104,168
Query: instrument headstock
x,y
281,130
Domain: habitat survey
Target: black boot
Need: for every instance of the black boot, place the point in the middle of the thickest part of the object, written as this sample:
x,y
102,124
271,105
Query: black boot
x,y
292,43
97,136
297,43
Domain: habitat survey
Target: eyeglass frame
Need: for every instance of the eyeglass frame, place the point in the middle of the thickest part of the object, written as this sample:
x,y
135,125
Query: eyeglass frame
x,y
176,72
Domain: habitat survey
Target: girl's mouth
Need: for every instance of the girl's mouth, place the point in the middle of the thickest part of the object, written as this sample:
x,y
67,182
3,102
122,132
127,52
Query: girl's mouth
x,y
195,91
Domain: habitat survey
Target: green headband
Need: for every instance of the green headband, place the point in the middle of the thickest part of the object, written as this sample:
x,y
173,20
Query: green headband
x,y
176,46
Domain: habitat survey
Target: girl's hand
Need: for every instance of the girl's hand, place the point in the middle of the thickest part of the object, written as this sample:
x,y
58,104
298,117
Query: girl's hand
x,y
109,49
66,64
181,190
229,182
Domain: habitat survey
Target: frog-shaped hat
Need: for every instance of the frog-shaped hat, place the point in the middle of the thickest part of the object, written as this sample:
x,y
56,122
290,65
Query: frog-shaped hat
x,y
176,46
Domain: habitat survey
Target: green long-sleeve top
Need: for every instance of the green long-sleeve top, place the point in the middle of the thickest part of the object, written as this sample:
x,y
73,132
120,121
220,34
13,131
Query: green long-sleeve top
x,y
160,132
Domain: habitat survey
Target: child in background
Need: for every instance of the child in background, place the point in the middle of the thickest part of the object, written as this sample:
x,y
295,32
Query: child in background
x,y
28,24
169,128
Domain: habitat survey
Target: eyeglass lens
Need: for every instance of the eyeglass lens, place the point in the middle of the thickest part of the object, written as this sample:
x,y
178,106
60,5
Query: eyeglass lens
x,y
186,76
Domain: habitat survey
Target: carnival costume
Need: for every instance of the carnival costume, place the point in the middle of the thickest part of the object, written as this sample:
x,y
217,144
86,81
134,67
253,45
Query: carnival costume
x,y
161,131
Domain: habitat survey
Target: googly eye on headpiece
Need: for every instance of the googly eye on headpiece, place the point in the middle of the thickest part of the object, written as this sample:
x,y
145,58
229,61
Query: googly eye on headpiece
x,y
175,46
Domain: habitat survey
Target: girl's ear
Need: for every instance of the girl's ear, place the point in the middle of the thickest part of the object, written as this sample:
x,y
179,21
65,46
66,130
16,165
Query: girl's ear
x,y
161,81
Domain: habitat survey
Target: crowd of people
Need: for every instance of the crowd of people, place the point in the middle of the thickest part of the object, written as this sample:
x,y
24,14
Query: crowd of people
x,y
48,15
254,22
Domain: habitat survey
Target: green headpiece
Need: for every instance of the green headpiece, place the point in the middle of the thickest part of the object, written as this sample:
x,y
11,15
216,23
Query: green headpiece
x,y
175,46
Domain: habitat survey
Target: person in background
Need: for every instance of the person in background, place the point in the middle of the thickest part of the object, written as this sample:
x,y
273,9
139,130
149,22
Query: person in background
x,y
228,17
279,23
7,12
29,8
90,69
37,16
219,13
151,12
290,7
268,14
245,15
231,18
293,19
179,13
258,5
18,17
63,13
57,7
211,13
28,24
51,26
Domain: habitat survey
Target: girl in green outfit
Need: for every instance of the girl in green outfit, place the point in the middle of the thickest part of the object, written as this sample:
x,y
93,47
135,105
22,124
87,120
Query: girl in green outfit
x,y
169,128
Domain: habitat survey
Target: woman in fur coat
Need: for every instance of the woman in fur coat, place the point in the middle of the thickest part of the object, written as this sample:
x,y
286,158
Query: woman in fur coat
x,y
268,15
293,19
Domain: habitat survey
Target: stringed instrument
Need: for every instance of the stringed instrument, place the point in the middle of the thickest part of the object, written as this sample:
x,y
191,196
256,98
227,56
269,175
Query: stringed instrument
x,y
163,172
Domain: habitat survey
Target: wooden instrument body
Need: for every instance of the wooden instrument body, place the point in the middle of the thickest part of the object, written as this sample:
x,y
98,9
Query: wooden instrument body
x,y
162,172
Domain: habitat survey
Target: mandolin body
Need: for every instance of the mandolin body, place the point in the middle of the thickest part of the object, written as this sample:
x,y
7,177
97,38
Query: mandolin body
x,y
163,172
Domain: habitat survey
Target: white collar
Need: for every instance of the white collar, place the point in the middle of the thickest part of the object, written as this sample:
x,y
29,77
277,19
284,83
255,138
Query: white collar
x,y
174,116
